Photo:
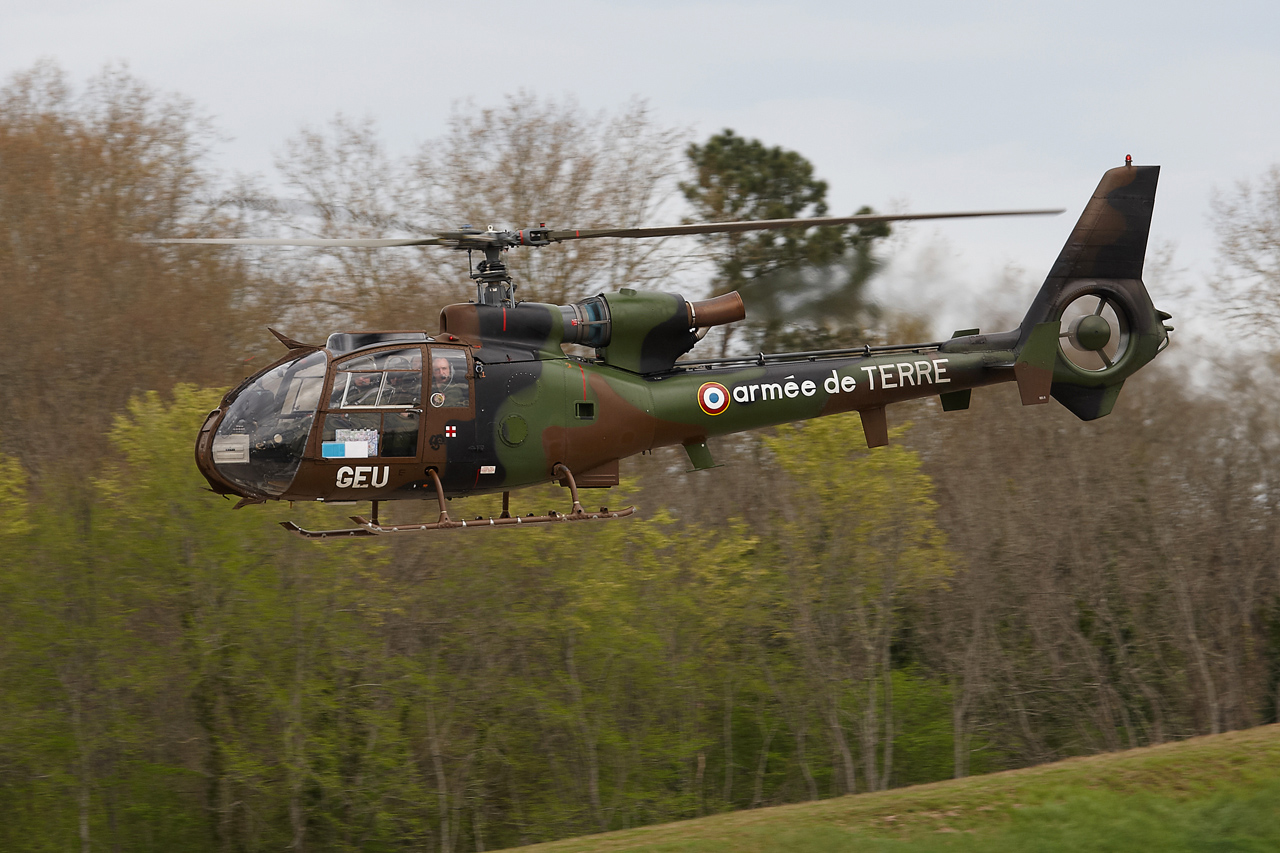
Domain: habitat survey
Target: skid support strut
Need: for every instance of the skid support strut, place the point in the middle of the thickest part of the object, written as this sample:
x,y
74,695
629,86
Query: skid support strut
x,y
372,527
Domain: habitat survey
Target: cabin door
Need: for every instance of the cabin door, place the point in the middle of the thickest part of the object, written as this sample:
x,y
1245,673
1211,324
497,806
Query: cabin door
x,y
451,445
372,437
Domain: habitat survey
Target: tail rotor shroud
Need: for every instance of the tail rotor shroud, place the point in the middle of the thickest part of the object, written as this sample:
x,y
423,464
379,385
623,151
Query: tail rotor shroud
x,y
1094,332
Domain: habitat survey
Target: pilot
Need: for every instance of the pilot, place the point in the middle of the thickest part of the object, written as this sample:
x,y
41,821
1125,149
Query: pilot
x,y
404,381
444,382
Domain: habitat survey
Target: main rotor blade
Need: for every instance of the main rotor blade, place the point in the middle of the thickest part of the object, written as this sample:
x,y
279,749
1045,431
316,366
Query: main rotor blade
x,y
350,243
511,239
774,224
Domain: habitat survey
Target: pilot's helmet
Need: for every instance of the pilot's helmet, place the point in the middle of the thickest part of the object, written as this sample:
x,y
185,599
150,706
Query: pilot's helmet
x,y
398,362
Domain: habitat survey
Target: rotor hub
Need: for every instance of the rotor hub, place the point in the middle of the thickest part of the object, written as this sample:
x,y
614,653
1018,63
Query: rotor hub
x,y
1090,333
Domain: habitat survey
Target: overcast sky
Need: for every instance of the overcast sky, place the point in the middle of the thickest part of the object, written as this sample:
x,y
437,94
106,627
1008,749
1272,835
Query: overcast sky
x,y
914,105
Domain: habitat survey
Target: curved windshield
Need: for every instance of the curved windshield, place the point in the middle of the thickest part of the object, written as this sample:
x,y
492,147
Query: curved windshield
x,y
260,442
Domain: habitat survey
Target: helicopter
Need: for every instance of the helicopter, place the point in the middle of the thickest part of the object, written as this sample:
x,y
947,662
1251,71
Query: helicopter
x,y
491,402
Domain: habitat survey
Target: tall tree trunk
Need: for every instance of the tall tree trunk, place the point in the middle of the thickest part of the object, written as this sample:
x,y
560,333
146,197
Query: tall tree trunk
x,y
72,683
82,804
1187,612
757,793
477,828
700,770
588,738
728,741
849,773
959,729
442,781
803,758
963,687
870,730
886,765
295,738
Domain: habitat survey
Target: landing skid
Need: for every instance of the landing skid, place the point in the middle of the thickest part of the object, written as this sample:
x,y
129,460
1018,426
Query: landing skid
x,y
325,534
371,527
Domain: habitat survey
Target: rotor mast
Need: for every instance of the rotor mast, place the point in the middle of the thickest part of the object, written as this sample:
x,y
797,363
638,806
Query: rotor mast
x,y
493,282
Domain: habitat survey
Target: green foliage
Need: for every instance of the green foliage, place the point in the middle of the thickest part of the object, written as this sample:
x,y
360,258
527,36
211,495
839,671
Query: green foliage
x,y
923,737
871,511
171,654
188,675
13,498
862,538
736,178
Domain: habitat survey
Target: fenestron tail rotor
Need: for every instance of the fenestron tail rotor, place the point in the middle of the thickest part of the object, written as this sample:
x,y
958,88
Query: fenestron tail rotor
x,y
1094,333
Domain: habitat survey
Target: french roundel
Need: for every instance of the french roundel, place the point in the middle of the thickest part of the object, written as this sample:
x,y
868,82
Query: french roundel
x,y
713,398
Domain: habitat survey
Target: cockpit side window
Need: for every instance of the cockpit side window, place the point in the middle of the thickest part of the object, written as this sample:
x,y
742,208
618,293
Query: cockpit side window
x,y
382,380
374,406
449,386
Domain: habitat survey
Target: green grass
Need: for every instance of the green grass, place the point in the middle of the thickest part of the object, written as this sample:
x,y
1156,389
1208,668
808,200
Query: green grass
x,y
1214,793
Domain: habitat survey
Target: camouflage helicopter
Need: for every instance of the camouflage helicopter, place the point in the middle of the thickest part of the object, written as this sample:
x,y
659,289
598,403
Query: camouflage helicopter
x,y
492,402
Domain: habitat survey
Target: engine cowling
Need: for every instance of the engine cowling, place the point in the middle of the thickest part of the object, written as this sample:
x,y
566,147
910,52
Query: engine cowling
x,y
645,332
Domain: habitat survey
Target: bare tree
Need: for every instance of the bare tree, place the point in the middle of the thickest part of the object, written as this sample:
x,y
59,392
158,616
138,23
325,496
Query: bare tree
x,y
1247,223
350,186
95,314
527,162
538,160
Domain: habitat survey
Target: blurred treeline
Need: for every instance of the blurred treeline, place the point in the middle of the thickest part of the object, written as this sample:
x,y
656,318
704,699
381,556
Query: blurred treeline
x,y
999,587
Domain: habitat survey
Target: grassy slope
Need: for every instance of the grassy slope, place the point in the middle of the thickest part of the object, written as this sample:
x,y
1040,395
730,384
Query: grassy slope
x,y
1209,793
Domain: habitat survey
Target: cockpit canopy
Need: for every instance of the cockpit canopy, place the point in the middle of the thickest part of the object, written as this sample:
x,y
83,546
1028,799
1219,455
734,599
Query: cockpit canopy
x,y
260,442
372,407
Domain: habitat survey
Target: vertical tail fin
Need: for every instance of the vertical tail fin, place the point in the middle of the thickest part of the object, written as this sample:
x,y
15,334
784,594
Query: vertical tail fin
x,y
1106,325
